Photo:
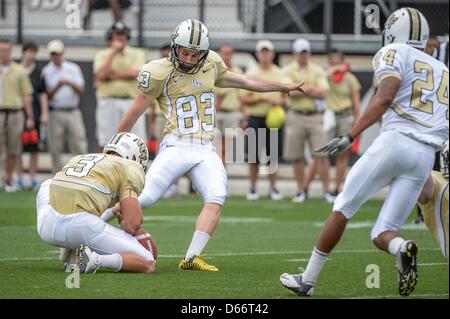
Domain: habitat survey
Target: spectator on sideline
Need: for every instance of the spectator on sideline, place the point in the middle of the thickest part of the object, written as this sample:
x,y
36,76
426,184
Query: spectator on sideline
x,y
305,120
344,100
15,97
228,104
31,138
257,106
65,85
116,69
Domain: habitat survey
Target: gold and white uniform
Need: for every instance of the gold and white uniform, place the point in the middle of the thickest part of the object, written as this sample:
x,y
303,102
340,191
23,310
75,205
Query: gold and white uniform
x,y
413,128
435,212
70,204
95,182
187,102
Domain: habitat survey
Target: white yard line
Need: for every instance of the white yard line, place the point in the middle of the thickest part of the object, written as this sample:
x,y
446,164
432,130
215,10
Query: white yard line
x,y
433,264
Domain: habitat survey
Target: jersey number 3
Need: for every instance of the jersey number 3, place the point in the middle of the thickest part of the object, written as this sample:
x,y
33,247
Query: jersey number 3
x,y
84,165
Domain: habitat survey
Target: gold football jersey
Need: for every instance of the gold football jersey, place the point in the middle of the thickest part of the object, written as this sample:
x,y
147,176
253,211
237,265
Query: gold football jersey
x,y
95,182
186,100
435,212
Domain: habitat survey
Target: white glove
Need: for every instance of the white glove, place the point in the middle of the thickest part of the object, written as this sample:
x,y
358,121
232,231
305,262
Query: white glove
x,y
336,145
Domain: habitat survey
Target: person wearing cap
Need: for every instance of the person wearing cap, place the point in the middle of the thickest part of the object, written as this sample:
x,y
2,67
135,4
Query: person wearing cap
x,y
15,97
65,84
305,120
257,106
228,104
115,70
344,100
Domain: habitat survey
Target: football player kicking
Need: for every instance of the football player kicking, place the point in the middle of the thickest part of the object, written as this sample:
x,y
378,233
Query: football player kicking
x,y
434,203
412,101
70,204
184,84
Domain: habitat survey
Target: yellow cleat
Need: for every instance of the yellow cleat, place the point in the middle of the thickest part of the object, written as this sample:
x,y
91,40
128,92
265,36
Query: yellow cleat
x,y
197,263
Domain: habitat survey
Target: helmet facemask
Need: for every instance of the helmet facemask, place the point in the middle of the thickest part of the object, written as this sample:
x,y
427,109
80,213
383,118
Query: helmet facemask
x,y
183,66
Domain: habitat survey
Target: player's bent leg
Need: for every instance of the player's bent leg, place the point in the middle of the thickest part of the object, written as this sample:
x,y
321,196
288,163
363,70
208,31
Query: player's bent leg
x,y
101,246
401,199
331,232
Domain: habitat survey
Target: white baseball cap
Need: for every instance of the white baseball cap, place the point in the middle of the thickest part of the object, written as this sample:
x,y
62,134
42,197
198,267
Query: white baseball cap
x,y
264,44
55,46
301,45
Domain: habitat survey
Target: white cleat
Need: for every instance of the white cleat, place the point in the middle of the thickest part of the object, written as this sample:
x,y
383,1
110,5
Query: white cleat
x,y
88,261
295,283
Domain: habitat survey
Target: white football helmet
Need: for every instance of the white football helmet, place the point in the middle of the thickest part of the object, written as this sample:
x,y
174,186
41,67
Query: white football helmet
x,y
443,163
193,35
129,146
406,25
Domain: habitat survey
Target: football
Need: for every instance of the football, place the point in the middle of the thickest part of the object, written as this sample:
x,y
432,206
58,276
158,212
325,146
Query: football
x,y
146,240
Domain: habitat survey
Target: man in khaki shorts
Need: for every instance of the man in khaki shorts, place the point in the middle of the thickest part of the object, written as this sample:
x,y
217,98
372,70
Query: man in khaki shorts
x,y
15,96
116,69
228,105
305,120
344,100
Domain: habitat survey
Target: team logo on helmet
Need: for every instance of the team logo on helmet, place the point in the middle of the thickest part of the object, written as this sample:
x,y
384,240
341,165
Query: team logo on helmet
x,y
391,21
175,33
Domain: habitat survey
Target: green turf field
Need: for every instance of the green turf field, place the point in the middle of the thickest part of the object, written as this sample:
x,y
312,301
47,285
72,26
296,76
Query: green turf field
x,y
254,243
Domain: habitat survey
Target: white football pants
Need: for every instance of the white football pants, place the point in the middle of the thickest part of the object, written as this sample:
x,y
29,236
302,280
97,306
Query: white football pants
x,y
178,156
395,160
70,231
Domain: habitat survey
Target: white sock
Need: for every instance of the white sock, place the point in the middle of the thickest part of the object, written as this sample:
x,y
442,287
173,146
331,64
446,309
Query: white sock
x,y
198,243
315,265
113,261
107,215
394,245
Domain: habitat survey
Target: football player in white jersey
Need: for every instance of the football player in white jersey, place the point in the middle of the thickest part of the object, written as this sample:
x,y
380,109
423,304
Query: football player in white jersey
x,y
183,85
412,103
